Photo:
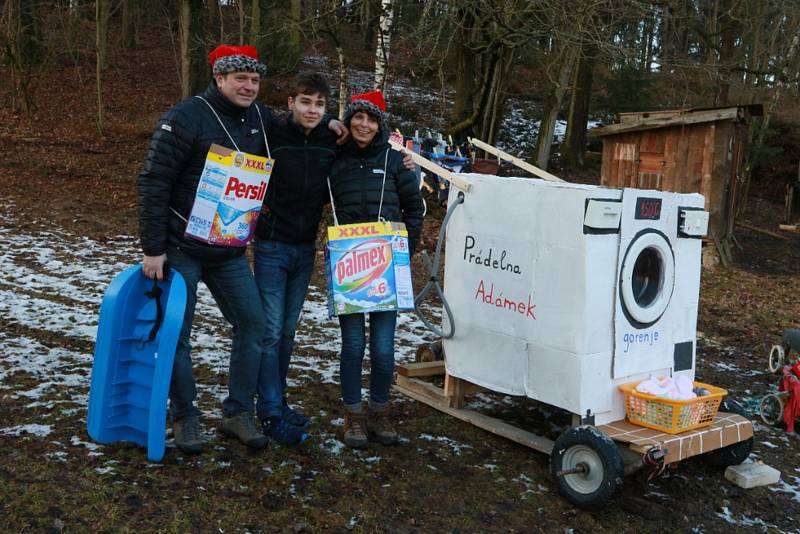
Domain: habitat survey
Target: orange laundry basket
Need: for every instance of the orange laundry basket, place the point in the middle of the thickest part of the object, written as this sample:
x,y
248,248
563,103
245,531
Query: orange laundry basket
x,y
669,415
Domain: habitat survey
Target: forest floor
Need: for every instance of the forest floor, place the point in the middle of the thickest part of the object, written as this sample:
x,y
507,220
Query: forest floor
x,y
68,223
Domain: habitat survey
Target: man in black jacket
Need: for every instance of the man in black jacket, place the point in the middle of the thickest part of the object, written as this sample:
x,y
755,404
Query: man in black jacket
x,y
227,114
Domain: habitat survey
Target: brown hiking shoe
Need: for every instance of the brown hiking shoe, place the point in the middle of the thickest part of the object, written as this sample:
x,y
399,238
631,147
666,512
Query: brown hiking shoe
x,y
355,430
187,435
381,426
242,427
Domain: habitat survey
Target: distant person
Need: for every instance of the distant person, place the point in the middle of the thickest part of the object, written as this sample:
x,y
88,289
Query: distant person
x,y
369,183
285,251
227,114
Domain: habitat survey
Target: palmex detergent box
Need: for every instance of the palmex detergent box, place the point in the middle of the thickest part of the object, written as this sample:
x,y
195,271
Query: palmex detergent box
x,y
368,268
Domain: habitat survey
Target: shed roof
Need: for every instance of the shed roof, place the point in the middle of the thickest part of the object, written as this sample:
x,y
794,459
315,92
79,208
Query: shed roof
x,y
650,120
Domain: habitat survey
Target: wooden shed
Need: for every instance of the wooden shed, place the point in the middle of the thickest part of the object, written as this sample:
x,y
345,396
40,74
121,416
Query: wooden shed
x,y
685,151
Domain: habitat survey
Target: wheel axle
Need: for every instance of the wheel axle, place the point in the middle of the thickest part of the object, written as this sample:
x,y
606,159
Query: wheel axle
x,y
580,469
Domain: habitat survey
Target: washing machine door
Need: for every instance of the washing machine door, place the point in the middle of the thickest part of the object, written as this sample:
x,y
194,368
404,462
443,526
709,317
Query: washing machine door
x,y
645,283
647,278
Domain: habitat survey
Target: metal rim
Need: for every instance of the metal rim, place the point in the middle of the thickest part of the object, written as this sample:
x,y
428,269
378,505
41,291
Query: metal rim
x,y
592,478
771,409
776,358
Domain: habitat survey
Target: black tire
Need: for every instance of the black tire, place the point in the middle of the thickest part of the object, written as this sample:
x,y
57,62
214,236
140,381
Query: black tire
x,y
587,446
736,453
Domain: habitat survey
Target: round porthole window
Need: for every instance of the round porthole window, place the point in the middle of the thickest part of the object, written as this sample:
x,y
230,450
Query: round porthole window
x,y
647,278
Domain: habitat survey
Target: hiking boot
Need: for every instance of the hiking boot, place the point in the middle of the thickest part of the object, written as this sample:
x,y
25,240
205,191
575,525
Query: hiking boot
x,y
187,435
242,427
381,426
293,417
281,432
355,429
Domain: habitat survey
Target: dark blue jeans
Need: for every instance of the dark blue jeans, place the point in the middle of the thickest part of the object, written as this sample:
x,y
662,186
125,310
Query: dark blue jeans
x,y
232,284
283,272
381,355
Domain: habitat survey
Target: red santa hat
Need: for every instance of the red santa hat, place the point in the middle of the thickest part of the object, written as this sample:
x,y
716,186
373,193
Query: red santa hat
x,y
231,58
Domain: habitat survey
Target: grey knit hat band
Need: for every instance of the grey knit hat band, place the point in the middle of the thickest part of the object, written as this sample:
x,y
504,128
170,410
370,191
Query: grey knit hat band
x,y
239,63
370,109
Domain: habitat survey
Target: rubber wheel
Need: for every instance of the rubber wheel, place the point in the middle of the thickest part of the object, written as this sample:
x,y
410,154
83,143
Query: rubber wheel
x,y
588,448
771,410
738,452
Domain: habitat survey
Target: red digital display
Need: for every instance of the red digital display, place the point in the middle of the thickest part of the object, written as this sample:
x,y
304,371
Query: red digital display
x,y
648,208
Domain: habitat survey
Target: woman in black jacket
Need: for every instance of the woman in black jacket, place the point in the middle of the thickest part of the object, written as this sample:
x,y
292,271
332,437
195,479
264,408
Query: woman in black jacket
x,y
370,183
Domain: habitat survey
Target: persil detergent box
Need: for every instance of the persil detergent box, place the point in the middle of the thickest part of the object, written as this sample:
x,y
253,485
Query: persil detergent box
x,y
368,268
229,197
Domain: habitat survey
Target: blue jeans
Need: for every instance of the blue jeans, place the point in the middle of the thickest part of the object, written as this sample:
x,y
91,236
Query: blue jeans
x,y
283,272
232,284
381,355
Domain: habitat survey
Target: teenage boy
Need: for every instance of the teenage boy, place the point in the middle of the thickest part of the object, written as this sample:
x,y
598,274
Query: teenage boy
x,y
304,150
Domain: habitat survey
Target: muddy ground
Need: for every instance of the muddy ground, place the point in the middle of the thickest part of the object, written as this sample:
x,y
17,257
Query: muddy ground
x,y
68,223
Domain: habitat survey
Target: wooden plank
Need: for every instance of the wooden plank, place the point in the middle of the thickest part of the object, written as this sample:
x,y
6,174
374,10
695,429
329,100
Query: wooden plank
x,y
454,391
662,122
725,430
790,228
427,164
762,231
490,424
421,369
524,165
422,391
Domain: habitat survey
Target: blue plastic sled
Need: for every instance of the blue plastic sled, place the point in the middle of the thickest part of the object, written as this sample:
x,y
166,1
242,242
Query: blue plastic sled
x,y
136,339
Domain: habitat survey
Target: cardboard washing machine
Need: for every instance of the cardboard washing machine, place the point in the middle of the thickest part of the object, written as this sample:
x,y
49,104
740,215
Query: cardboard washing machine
x,y
561,292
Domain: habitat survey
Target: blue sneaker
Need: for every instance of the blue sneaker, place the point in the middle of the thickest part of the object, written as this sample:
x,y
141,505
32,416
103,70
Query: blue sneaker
x,y
283,433
293,417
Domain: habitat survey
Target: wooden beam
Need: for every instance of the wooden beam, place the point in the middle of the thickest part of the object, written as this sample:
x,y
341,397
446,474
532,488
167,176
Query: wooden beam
x,y
416,389
421,391
438,170
524,165
421,369
454,391
790,228
662,122
761,231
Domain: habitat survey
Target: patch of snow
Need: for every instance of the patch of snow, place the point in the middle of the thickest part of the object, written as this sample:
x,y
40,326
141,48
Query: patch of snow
x,y
32,429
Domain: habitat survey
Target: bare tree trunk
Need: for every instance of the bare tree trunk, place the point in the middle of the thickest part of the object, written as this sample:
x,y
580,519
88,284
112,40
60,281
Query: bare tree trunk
x,y
342,82
130,23
464,103
255,21
194,68
574,146
547,127
242,21
101,49
215,26
102,10
384,38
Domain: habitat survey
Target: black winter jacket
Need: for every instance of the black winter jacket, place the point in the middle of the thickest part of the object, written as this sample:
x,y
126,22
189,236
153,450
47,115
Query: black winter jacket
x,y
356,180
175,161
297,189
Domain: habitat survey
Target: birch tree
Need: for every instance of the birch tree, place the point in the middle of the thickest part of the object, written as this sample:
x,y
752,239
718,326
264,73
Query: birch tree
x,y
384,40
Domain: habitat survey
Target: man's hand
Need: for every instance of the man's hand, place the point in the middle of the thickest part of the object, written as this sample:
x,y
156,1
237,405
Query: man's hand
x,y
338,127
153,266
408,161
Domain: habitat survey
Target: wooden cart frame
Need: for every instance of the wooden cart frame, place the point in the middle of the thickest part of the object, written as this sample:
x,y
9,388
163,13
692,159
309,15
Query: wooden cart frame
x,y
582,457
